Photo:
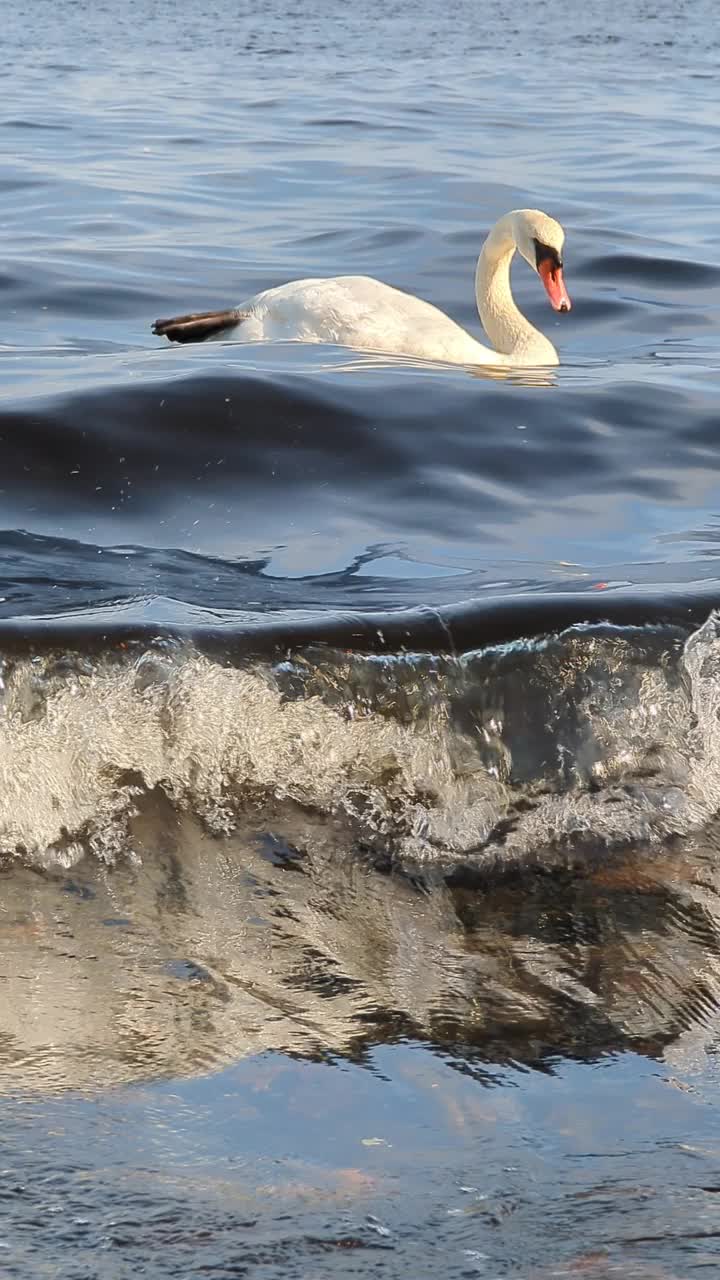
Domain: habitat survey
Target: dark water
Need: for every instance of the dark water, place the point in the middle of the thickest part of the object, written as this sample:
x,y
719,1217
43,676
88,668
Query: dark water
x,y
360,763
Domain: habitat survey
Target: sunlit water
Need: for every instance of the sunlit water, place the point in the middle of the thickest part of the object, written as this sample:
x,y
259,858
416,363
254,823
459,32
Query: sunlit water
x,y
360,763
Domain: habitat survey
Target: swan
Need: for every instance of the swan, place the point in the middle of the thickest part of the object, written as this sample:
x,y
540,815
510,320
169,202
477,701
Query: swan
x,y
360,312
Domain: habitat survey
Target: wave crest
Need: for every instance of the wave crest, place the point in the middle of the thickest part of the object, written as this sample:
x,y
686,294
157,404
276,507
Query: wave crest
x,y
522,751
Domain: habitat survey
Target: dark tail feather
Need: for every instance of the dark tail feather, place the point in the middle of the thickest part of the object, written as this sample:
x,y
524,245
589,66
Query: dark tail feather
x,y
197,326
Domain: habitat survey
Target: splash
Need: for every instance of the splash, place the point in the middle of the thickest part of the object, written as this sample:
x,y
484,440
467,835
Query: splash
x,y
598,734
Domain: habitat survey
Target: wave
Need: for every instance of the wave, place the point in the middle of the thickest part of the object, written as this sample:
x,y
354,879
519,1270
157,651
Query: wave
x,y
531,751
320,463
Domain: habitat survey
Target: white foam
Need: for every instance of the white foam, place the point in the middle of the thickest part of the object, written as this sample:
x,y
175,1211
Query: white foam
x,y
599,734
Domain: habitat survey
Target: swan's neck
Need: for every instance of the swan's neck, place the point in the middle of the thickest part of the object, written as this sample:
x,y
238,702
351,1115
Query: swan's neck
x,y
505,325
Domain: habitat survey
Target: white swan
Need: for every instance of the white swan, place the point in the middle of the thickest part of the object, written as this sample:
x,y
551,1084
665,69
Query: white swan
x,y
359,312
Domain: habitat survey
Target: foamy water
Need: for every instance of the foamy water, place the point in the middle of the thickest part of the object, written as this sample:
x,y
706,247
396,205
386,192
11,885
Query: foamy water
x,y
358,722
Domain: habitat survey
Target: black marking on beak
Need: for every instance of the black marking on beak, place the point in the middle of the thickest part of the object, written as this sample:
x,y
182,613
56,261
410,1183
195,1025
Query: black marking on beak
x,y
545,253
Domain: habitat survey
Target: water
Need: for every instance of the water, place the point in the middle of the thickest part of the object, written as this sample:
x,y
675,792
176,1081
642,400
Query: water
x,y
359,756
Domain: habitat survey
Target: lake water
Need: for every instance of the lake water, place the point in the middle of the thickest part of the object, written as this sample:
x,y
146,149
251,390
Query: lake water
x,y
359,753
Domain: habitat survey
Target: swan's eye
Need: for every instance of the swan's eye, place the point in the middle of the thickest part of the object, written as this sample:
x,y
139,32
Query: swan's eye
x,y
545,253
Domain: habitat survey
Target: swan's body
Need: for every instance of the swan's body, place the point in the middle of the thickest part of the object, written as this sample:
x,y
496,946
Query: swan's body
x,y
359,312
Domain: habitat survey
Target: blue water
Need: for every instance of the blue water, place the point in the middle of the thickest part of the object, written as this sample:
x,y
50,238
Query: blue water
x,y
353,921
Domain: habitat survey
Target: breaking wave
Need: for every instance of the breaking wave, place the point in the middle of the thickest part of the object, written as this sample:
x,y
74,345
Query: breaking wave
x,y
528,751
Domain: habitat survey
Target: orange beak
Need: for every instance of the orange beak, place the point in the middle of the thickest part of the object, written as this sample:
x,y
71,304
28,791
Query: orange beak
x,y
552,278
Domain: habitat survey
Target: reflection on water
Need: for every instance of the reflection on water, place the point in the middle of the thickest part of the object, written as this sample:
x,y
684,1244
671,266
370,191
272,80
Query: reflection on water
x,y
198,951
229,1044
311,1063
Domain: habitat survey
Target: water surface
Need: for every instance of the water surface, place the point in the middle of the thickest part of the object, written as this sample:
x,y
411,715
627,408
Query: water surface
x,y
359,748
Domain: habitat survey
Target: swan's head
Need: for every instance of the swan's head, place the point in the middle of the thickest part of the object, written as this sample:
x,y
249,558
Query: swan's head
x,y
540,240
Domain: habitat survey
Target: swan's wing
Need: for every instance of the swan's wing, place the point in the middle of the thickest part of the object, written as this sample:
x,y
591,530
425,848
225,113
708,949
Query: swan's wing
x,y
360,312
351,311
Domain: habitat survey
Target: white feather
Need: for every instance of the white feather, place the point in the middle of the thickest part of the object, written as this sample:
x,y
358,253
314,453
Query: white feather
x,y
363,313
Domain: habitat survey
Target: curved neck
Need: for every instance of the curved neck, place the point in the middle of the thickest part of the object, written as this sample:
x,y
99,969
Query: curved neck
x,y
505,325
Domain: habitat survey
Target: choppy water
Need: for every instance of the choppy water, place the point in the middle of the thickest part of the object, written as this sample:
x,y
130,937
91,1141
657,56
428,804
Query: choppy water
x,y
359,750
